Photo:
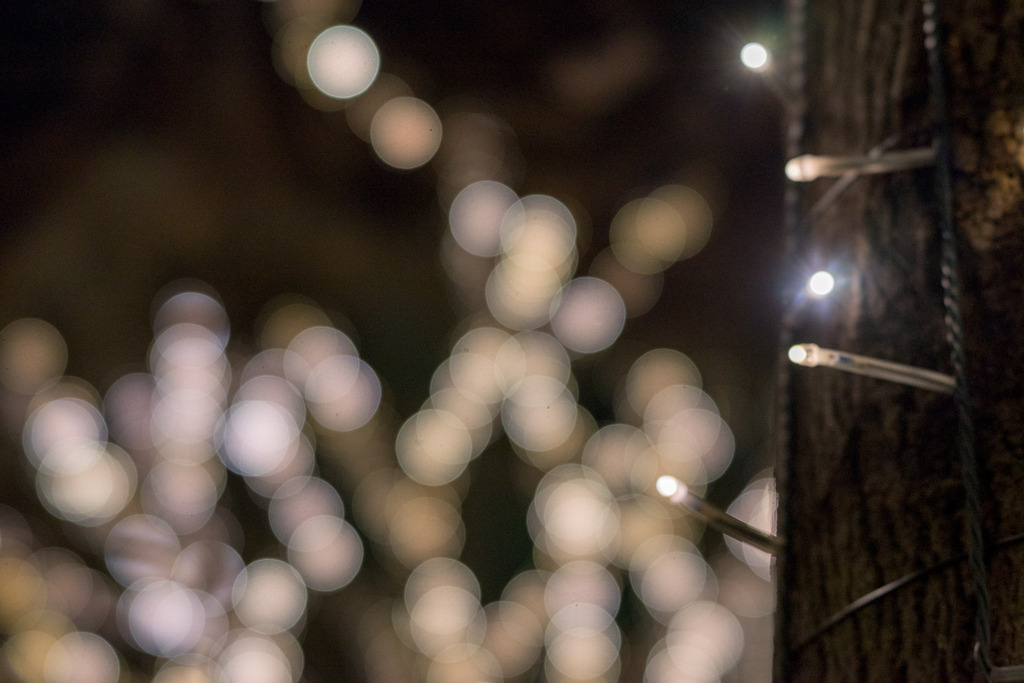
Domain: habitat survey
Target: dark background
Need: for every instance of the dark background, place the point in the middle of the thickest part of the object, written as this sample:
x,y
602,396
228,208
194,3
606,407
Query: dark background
x,y
150,141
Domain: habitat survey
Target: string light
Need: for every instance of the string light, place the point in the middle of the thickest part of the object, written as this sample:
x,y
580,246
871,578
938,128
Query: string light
x,y
808,167
812,355
677,492
821,283
755,57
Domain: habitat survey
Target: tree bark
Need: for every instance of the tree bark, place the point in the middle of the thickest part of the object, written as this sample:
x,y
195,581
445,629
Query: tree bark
x,y
872,484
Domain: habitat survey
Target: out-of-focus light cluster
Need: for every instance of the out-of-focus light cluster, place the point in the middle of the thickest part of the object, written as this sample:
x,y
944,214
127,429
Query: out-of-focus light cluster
x,y
141,474
337,66
152,504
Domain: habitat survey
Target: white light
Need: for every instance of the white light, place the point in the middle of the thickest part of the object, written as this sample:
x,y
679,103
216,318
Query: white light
x,y
669,486
343,62
755,57
821,283
808,167
798,354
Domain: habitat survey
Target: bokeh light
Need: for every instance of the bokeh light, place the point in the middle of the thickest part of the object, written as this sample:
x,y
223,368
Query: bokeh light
x,y
623,456
255,658
433,447
589,316
405,132
442,597
668,573
755,506
140,547
326,551
81,657
33,354
257,437
574,515
162,617
639,291
476,216
704,641
59,429
652,372
349,404
514,636
343,61
269,596
299,499
91,486
183,494
671,224
540,413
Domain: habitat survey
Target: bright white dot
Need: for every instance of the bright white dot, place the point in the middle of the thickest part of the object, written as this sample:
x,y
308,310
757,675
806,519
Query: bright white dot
x,y
755,57
667,485
405,132
797,354
343,61
821,283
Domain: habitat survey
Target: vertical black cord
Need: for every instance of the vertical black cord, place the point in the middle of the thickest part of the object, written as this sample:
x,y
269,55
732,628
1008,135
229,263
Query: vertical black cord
x,y
795,116
954,331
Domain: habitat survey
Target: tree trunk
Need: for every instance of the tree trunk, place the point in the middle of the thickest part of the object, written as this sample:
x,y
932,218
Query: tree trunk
x,y
872,487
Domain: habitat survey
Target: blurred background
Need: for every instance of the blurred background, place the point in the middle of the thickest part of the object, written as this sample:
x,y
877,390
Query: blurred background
x,y
345,341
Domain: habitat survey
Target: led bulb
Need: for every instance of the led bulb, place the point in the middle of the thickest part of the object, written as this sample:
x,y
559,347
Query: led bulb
x,y
821,283
798,354
811,355
811,167
755,57
668,485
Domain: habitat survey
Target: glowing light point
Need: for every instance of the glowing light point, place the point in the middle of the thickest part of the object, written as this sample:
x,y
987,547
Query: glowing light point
x,y
821,283
800,354
670,487
755,56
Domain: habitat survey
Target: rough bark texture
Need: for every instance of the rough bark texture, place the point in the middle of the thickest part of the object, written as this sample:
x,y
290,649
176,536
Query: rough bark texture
x,y
874,490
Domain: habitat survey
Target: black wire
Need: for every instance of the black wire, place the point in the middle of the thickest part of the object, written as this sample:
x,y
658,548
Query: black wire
x,y
933,38
891,587
795,122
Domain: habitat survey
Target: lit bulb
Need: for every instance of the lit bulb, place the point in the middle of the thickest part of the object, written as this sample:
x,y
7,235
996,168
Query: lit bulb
x,y
821,283
811,355
798,354
668,486
811,167
755,57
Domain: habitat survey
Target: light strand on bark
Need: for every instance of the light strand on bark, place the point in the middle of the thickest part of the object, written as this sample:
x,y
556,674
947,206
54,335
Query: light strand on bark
x,y
890,588
933,38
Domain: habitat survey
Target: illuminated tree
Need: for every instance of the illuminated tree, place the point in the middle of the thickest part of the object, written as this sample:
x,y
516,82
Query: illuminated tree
x,y
875,488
